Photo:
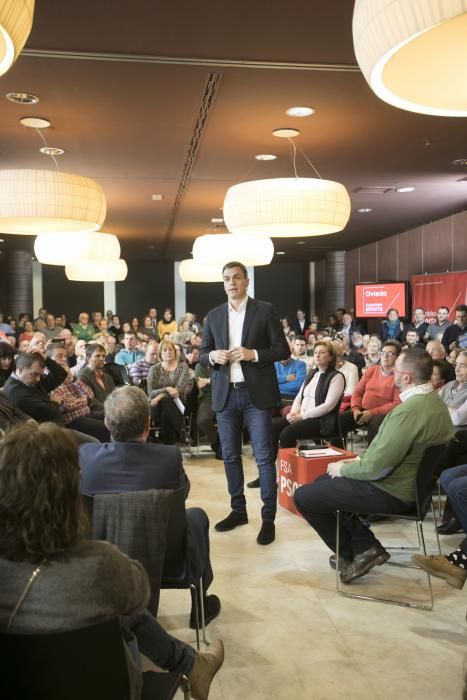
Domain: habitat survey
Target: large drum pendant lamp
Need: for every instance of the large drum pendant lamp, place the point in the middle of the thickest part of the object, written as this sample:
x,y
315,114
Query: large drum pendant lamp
x,y
15,27
192,271
59,249
413,53
94,271
47,201
224,247
287,207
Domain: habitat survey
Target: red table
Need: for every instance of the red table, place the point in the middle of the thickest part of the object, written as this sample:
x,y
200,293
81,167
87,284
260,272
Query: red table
x,y
294,471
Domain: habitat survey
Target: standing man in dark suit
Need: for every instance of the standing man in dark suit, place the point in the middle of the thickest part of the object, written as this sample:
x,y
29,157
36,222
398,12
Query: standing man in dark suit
x,y
242,339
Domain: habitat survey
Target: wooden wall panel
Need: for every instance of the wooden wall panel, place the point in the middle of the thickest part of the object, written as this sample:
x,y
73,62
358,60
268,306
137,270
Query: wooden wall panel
x,y
460,241
320,286
387,259
351,276
368,263
410,253
437,245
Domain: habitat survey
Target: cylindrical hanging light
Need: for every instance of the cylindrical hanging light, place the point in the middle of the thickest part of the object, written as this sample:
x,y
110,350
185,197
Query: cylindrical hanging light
x,y
287,207
47,201
66,249
93,271
413,53
192,271
223,247
15,27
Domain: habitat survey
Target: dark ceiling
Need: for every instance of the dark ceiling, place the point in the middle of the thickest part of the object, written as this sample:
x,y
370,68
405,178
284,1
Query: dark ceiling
x,y
177,98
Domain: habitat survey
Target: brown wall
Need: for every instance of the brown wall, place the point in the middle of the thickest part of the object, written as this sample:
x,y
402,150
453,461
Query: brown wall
x,y
440,246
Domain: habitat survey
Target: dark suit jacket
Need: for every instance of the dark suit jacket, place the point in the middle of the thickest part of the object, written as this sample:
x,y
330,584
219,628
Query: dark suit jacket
x,y
116,467
262,331
34,400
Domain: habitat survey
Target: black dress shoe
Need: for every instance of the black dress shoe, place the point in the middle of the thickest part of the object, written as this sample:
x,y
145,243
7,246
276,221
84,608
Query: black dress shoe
x,y
345,563
364,562
267,534
449,528
212,608
253,484
234,519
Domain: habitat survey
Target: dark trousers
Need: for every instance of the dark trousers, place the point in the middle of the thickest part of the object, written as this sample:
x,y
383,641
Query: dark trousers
x,y
198,546
91,426
239,408
206,419
286,434
319,501
169,418
348,424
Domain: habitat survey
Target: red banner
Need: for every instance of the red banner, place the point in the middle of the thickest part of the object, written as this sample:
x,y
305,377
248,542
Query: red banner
x,y
432,291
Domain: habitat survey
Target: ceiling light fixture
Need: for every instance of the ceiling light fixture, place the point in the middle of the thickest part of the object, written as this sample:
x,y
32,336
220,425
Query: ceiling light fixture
x,y
51,151
221,247
95,271
15,27
35,122
157,197
364,210
58,249
22,98
280,252
265,156
413,53
47,201
192,271
459,161
300,111
285,133
287,207
217,221
405,189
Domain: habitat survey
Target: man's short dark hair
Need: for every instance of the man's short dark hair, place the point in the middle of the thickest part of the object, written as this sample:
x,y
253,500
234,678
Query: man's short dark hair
x,y
25,360
235,263
126,413
300,337
91,349
443,307
129,333
418,363
461,307
394,344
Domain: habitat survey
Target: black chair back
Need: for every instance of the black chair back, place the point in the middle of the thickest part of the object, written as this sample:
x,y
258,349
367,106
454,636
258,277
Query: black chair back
x,y
85,663
176,571
426,478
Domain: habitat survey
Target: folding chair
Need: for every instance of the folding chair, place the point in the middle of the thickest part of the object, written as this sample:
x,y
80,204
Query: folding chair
x,y
425,480
89,662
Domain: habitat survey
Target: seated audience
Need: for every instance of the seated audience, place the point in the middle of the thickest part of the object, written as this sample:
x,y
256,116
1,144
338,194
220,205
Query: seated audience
x,y
50,331
115,328
69,341
299,349
168,380
7,362
129,354
350,354
149,328
73,401
392,327
452,357
9,415
315,408
286,325
348,328
26,332
167,324
80,354
411,340
206,416
96,383
301,323
290,374
454,394
83,330
373,351
383,479
139,370
436,350
350,372
375,395
78,582
452,334
435,331
419,324
441,374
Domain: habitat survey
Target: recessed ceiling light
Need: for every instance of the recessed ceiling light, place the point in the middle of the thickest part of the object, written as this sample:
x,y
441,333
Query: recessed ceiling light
x,y
405,189
459,161
2,240
280,252
52,151
285,133
151,246
22,98
300,242
217,221
265,156
364,210
300,111
156,197
35,122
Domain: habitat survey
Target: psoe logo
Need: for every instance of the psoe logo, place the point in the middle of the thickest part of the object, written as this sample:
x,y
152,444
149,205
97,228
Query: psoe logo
x,y
288,486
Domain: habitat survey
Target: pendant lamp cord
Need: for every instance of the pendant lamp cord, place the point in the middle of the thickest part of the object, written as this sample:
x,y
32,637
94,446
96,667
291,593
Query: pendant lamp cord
x,y
293,152
47,146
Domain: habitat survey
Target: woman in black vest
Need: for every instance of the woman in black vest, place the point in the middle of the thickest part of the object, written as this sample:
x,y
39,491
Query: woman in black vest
x,y
316,406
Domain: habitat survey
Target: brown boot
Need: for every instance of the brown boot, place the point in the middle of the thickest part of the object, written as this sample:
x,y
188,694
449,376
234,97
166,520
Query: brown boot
x,y
438,565
205,667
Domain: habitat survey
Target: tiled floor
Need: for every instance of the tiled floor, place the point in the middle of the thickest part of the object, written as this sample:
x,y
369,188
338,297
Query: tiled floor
x,y
288,635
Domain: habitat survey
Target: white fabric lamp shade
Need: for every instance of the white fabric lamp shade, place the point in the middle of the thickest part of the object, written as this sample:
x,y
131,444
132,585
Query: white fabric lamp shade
x,y
224,247
287,207
192,271
15,27
413,53
94,271
47,201
66,249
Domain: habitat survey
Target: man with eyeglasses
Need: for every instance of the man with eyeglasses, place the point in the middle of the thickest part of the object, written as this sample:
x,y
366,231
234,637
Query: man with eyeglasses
x,y
375,395
383,479
454,394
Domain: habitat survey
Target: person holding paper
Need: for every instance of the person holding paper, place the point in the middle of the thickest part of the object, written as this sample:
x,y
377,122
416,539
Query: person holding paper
x,y
169,382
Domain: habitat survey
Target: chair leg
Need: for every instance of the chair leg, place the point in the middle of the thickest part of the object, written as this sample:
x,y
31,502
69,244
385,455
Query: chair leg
x,y
203,625
194,597
436,528
185,687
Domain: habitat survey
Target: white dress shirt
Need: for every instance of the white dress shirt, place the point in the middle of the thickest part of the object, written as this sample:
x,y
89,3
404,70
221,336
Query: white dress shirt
x,y
236,318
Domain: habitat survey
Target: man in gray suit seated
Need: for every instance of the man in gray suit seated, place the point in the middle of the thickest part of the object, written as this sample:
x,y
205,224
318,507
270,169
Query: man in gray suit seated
x,y
130,463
